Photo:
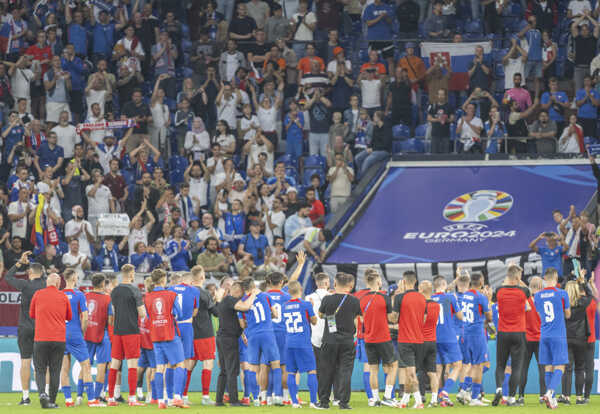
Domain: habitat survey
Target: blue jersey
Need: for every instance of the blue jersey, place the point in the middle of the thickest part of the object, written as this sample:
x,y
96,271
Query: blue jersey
x,y
534,39
495,315
296,319
178,255
188,298
551,304
258,317
551,258
278,299
78,305
474,306
459,325
445,331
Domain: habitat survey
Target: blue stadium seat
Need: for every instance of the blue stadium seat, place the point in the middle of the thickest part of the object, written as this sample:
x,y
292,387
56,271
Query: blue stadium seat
x,y
499,70
498,55
401,131
590,141
421,130
413,145
315,161
474,26
308,172
288,160
453,131
396,147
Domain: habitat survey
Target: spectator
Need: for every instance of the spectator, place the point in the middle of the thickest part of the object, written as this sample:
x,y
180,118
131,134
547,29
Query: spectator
x,y
578,9
438,75
99,196
493,11
587,100
224,137
380,147
178,251
533,67
544,132
305,64
58,85
340,178
336,129
76,259
211,260
74,66
553,252
108,259
549,55
254,245
518,94
440,115
517,127
435,26
479,72
378,17
197,140
304,23
584,44
295,223
66,135
370,86
469,129
483,101
77,31
555,103
514,63
227,101
399,98
408,16
103,35
257,146
317,212
571,140
545,12
19,214
50,260
49,154
294,127
242,26
318,107
21,77
116,183
138,110
277,26
339,147
495,130
339,71
230,61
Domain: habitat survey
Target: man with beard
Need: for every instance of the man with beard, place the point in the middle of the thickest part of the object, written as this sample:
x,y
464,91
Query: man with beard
x,y
116,183
80,229
518,93
146,191
211,260
109,149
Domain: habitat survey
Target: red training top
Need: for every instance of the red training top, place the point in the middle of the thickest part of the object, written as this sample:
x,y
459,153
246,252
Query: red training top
x,y
375,307
533,322
511,308
411,307
159,305
431,320
51,309
317,211
98,305
145,333
591,317
360,333
40,54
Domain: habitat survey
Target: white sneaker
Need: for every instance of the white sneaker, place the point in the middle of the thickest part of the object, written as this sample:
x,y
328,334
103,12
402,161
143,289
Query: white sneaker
x,y
372,402
169,403
389,402
477,403
313,405
78,401
205,400
296,406
269,400
335,403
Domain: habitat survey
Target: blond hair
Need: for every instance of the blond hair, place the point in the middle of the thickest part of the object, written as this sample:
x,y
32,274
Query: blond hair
x,y
573,291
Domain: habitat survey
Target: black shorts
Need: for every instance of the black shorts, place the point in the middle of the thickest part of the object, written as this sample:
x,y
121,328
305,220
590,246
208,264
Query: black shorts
x,y
25,342
408,354
381,352
428,356
386,48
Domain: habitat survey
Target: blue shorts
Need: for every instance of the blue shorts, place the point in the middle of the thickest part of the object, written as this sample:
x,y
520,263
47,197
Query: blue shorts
x,y
463,348
361,353
147,358
187,339
168,352
300,360
100,353
262,343
476,350
243,351
448,353
280,339
553,351
77,347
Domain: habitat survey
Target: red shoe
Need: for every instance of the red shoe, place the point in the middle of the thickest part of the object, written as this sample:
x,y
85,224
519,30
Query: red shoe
x,y
289,402
226,398
245,401
300,401
180,404
153,402
162,406
264,402
69,404
112,403
136,403
96,403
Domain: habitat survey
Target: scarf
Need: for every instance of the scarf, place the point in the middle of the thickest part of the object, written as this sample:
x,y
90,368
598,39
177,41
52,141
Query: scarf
x,y
97,126
34,141
113,257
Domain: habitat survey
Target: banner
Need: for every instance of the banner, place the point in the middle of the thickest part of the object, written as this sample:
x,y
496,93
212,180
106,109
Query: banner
x,y
434,217
459,55
113,225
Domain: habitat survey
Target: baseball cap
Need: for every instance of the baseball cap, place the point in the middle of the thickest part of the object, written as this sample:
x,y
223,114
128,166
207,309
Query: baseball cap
x,y
410,44
292,189
337,50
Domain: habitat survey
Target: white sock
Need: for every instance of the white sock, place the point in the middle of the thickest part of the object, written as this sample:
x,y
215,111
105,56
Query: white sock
x,y
376,395
262,395
68,399
511,399
140,391
499,390
47,389
25,394
417,396
405,398
388,391
117,391
286,394
434,396
177,397
132,398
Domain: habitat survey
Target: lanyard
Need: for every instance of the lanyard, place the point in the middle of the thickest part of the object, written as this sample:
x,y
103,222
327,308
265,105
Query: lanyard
x,y
369,303
340,305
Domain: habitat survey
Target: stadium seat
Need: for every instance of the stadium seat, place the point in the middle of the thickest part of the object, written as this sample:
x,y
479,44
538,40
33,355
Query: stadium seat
x,y
413,145
499,70
498,55
308,172
401,131
396,147
288,160
314,161
590,141
421,130
474,27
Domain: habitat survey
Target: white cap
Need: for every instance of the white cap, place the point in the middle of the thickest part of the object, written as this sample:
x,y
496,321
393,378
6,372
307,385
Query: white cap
x,y
238,177
292,189
43,187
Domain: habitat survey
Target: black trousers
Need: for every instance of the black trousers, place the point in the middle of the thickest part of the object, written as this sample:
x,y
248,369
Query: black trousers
x,y
531,349
229,362
511,344
337,361
589,369
577,357
48,356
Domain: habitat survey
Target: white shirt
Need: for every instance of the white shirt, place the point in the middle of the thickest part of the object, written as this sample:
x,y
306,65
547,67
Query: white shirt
x,y
97,135
136,236
578,7
245,123
66,137
227,110
72,227
160,115
316,298
341,186
255,151
19,227
371,93
467,133
218,164
568,144
231,65
198,191
225,141
20,83
304,33
197,142
93,96
100,202
513,66
278,219
267,118
332,66
70,260
127,45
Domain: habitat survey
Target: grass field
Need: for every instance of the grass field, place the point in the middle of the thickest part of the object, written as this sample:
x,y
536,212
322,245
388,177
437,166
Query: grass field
x,y
8,405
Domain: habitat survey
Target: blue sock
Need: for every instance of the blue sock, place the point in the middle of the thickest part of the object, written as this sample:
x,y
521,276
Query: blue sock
x,y
246,385
277,386
485,369
89,390
252,384
270,384
313,387
179,378
98,390
505,385
556,379
291,383
384,381
169,374
367,384
548,378
475,391
152,390
79,387
448,385
467,383
159,385
67,391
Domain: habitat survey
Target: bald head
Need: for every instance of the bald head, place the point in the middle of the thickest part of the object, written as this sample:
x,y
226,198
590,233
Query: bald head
x,y
53,280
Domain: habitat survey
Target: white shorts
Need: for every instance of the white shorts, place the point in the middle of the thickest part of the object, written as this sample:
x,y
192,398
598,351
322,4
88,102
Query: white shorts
x,y
53,110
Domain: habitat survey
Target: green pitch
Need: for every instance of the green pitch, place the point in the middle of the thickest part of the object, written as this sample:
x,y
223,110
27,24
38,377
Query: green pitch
x,y
8,405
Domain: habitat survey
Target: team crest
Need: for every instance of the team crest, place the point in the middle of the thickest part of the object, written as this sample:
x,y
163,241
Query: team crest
x,y
478,206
